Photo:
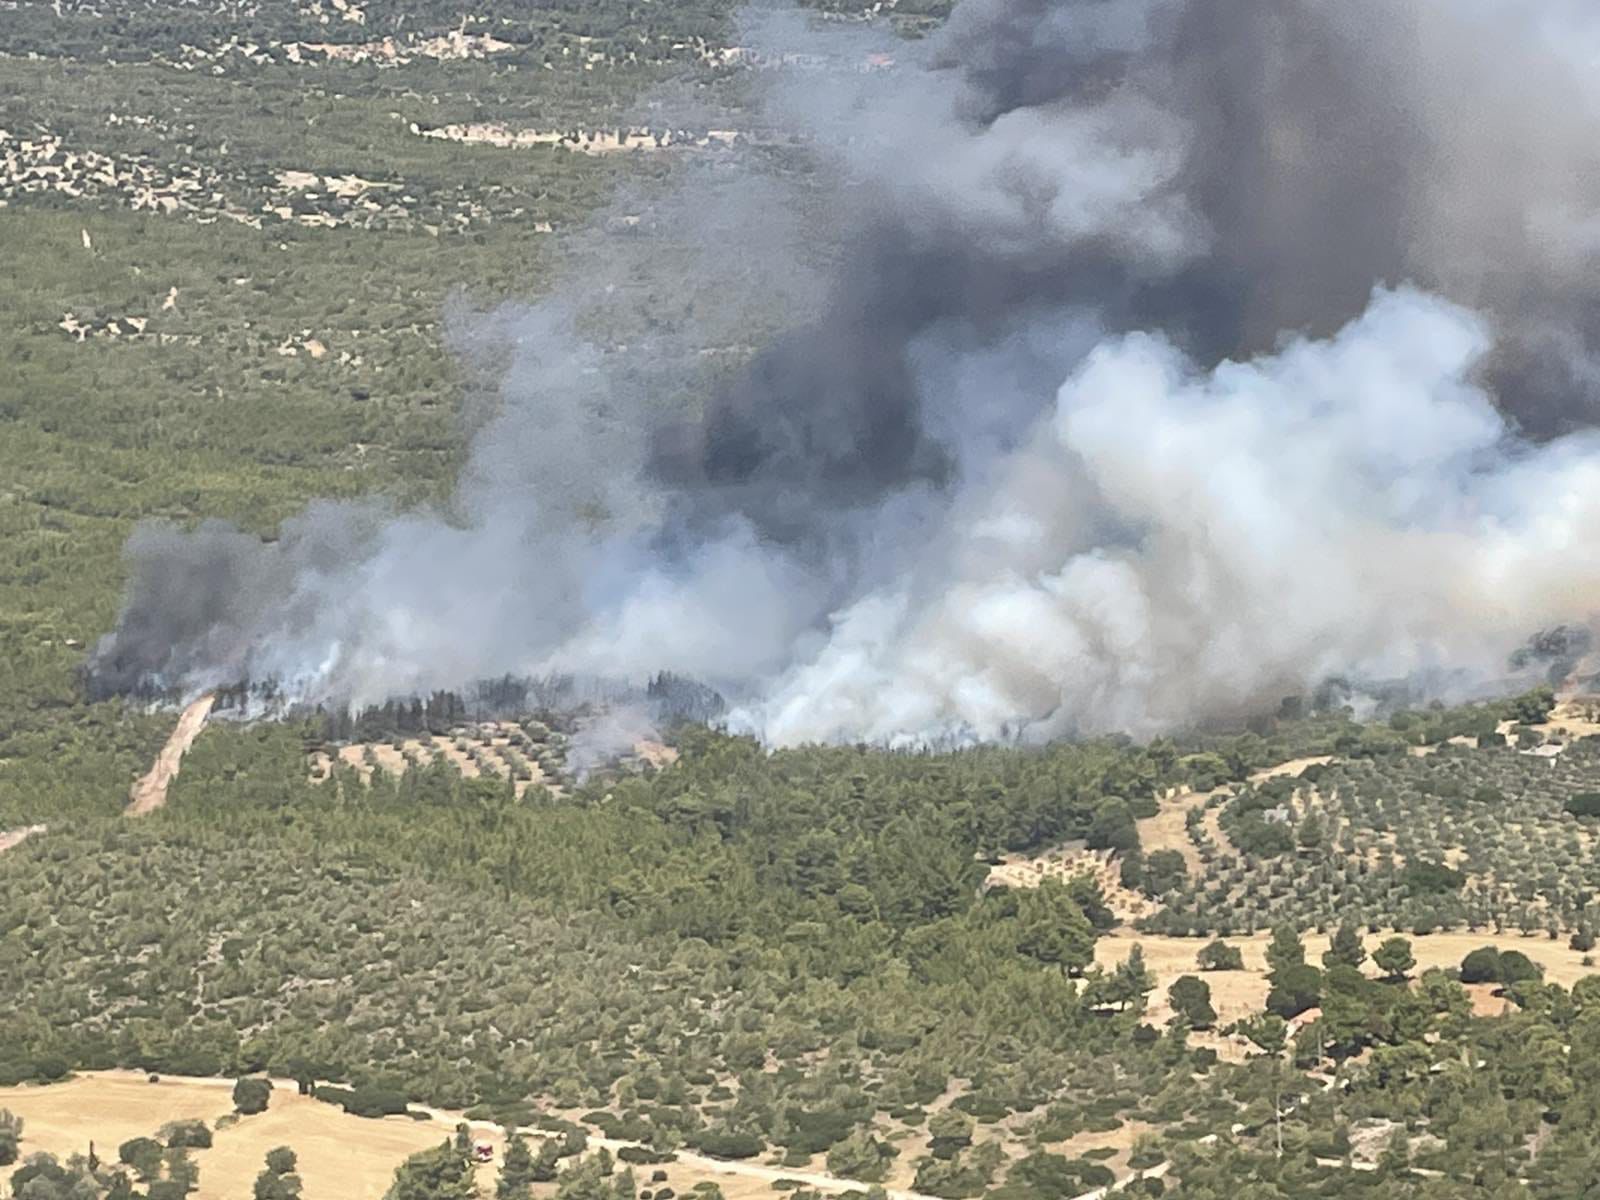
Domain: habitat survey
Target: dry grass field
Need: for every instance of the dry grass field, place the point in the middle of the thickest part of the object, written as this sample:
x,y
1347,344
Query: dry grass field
x,y
1237,994
340,1155
109,1108
351,1158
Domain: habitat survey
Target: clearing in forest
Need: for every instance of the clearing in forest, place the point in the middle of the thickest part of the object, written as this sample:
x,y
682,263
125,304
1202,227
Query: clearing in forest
x,y
1239,994
149,792
349,1157
15,837
490,748
107,1108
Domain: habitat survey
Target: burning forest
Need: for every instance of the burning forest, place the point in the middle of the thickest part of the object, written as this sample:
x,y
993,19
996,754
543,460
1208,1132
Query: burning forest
x,y
1158,360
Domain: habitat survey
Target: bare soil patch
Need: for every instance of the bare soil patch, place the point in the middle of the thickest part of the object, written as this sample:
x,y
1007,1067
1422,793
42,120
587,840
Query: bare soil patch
x,y
1295,767
1167,830
12,838
1068,862
149,792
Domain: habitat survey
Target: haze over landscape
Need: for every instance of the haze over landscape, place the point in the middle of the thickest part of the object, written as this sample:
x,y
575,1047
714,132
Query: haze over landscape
x,y
1168,365
924,600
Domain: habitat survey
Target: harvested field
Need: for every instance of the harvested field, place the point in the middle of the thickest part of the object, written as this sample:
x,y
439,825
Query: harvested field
x,y
340,1155
1167,830
1294,768
107,1108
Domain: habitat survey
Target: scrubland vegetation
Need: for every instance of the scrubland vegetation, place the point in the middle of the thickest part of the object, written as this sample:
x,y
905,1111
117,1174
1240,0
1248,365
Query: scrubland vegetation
x,y
785,960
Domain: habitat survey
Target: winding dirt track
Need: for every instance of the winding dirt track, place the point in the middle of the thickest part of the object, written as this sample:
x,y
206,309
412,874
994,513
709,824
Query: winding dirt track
x,y
149,792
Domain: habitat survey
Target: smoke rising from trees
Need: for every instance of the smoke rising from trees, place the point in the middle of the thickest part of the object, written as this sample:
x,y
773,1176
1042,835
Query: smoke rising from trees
x,y
1121,362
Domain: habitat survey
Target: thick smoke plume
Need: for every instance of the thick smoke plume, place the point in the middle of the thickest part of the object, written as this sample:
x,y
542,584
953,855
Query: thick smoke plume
x,y
1113,364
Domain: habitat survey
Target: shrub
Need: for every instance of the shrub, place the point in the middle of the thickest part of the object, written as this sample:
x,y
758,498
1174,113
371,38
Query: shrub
x,y
188,1135
727,1143
364,1101
1191,1000
10,1137
1517,967
1584,804
1296,989
1431,879
1481,966
817,1131
643,1155
252,1095
1219,956
143,1154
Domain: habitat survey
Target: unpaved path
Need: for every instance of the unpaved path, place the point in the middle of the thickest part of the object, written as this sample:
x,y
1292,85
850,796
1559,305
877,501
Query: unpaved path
x,y
719,1166
12,838
1295,767
150,791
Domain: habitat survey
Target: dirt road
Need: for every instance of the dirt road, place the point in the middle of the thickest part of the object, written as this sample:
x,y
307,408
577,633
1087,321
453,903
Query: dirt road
x,y
15,837
150,791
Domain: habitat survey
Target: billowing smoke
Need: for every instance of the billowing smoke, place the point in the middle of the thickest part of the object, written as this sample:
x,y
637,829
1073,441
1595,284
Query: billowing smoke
x,y
1110,364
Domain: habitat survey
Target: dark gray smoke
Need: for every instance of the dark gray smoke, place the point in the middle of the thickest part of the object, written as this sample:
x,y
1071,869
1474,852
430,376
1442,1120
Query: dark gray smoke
x,y
1111,362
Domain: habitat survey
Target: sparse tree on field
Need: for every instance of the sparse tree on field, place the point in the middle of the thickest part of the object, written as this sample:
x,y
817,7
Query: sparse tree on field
x,y
143,1154
10,1137
251,1095
1191,1001
1394,959
1345,949
1286,950
278,1180
1270,1034
1219,956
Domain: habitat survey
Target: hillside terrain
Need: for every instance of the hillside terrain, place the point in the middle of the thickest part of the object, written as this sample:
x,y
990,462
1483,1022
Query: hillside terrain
x,y
238,242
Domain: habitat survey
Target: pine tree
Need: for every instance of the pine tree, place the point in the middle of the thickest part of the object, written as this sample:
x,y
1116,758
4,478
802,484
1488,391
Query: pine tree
x,y
1346,949
546,1162
278,1180
1286,950
437,1174
517,1170
1394,958
1053,929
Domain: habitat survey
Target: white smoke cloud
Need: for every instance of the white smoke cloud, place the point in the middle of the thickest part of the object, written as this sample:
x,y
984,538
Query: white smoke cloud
x,y
1350,506
1056,407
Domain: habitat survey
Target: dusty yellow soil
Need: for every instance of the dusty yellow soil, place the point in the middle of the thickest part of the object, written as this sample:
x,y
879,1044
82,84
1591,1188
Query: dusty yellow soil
x,y
1167,831
15,837
1295,767
1236,994
490,737
353,1158
149,792
1068,862
109,1108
